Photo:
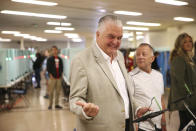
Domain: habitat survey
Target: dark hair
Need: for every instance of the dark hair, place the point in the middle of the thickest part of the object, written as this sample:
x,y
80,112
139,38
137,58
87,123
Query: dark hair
x,y
55,47
195,46
38,54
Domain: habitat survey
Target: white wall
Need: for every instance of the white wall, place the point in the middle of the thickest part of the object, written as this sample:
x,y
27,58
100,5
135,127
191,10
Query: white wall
x,y
9,45
40,45
160,40
164,40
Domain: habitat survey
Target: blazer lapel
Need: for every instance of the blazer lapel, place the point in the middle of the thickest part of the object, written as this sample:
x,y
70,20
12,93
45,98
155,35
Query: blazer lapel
x,y
102,63
124,72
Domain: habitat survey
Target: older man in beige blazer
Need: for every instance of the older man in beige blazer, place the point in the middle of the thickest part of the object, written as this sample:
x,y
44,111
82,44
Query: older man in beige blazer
x,y
101,92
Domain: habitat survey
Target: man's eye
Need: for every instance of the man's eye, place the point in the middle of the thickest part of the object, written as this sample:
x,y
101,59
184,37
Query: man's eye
x,y
119,38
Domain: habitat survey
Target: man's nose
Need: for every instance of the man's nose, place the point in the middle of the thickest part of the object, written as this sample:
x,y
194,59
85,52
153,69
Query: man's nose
x,y
115,40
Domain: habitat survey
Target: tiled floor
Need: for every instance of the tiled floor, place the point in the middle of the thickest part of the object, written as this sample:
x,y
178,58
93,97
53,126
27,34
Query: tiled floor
x,y
37,117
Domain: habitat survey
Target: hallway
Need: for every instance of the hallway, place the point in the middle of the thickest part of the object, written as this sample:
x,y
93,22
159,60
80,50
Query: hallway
x,y
36,116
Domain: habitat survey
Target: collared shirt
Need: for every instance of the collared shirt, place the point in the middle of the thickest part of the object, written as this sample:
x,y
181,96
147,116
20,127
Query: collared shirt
x,y
119,79
147,86
57,66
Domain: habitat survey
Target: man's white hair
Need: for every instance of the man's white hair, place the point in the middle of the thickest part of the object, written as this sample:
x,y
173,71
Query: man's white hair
x,y
146,44
108,18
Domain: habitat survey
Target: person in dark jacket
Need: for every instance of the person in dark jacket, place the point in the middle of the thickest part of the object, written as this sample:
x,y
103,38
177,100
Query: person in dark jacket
x,y
55,70
37,68
154,63
194,57
183,78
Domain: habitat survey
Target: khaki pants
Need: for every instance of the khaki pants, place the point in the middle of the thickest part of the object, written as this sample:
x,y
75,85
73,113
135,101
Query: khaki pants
x,y
54,86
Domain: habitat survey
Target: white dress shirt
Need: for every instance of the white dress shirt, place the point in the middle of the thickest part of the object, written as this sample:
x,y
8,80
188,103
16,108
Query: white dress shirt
x,y
119,79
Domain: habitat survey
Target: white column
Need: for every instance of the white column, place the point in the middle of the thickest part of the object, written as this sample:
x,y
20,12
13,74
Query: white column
x,y
134,39
22,44
68,43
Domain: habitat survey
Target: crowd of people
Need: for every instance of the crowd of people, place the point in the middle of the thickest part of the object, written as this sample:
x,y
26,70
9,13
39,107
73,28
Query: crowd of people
x,y
105,97
52,66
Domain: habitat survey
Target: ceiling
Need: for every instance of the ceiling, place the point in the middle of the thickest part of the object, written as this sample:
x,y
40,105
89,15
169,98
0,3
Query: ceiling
x,y
84,14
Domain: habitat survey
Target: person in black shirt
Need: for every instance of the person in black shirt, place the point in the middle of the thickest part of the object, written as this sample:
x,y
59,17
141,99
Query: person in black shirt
x,y
37,68
55,70
194,57
154,63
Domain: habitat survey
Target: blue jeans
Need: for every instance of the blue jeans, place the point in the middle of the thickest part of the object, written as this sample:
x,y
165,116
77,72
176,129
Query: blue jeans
x,y
38,77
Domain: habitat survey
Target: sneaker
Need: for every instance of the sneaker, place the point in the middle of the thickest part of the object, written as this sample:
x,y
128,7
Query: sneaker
x,y
50,107
58,107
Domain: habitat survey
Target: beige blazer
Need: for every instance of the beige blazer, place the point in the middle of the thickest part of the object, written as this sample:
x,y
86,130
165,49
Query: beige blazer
x,y
92,81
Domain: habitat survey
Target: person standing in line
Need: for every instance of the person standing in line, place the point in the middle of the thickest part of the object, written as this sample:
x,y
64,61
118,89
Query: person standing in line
x,y
100,91
148,88
37,68
55,70
194,57
45,72
183,78
154,64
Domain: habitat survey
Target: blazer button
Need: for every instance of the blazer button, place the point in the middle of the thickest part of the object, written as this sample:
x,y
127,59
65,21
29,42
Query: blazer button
x,y
123,110
123,126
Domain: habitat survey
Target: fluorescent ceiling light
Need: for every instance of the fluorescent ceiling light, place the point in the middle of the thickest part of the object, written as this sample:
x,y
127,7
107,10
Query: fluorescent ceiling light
x,y
183,19
65,24
59,23
33,14
102,10
71,35
139,33
53,31
130,39
10,32
32,37
37,38
137,38
127,13
42,40
172,2
64,28
4,40
135,28
36,2
77,40
142,23
127,35
21,35
26,36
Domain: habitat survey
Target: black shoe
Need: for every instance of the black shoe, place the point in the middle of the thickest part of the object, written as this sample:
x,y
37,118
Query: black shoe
x,y
58,107
50,107
46,96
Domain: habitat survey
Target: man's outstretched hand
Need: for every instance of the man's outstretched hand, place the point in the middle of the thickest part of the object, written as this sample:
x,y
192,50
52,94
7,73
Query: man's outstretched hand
x,y
90,109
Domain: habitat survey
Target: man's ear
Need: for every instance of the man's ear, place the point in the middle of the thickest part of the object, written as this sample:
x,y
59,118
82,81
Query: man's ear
x,y
153,58
97,34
